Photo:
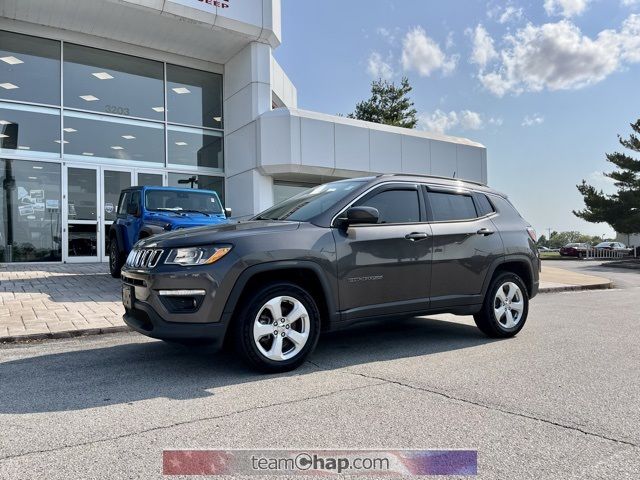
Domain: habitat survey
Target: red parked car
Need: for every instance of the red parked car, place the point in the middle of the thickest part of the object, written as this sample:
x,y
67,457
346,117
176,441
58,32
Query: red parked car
x,y
574,250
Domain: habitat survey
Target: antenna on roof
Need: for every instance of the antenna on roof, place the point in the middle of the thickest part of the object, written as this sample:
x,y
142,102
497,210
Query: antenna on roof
x,y
454,174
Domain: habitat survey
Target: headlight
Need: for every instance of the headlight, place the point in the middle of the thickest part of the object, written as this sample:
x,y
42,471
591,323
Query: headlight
x,y
196,255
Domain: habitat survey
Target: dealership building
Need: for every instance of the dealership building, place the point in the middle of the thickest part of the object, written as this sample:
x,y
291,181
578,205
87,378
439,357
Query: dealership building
x,y
99,95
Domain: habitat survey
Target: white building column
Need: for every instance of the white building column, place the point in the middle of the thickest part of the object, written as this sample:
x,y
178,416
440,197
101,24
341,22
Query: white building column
x,y
247,94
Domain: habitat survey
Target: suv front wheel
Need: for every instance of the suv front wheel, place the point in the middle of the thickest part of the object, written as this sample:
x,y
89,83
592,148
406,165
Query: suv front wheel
x,y
115,258
505,307
278,328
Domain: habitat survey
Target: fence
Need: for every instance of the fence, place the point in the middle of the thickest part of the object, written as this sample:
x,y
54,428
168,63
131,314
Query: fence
x,y
604,254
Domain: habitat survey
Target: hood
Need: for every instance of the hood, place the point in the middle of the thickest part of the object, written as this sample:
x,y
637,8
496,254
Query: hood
x,y
210,234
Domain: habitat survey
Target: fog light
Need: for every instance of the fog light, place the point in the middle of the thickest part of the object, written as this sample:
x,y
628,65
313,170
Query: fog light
x,y
180,293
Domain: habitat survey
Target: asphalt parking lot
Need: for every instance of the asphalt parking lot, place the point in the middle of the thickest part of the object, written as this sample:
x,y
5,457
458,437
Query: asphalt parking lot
x,y
558,401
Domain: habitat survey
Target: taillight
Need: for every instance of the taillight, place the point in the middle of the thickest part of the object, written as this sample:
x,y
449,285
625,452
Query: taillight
x,y
532,234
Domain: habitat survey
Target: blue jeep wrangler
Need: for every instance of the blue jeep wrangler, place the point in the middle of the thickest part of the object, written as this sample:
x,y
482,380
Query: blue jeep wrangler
x,y
146,211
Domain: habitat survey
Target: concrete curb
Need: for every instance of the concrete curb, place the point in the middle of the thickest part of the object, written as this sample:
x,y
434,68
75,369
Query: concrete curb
x,y
123,328
575,288
64,334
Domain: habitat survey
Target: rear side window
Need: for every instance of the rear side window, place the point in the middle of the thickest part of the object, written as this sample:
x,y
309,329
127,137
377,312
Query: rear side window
x,y
451,206
395,206
484,205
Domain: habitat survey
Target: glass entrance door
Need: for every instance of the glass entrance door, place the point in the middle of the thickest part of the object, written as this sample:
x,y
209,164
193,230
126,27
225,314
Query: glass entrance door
x,y
112,182
82,214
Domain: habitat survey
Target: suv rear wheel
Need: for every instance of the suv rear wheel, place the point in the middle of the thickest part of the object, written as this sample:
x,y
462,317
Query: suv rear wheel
x,y
278,328
505,307
115,258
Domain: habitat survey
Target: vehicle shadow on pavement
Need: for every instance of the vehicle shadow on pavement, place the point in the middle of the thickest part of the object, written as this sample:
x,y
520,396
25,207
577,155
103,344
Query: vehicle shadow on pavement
x,y
144,369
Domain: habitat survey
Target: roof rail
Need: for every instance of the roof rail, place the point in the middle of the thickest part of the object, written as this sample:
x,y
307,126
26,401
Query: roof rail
x,y
431,176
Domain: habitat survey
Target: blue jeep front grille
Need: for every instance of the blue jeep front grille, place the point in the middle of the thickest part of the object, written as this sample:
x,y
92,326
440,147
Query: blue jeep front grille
x,y
144,257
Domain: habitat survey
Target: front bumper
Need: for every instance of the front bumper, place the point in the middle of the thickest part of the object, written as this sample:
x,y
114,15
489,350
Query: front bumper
x,y
161,317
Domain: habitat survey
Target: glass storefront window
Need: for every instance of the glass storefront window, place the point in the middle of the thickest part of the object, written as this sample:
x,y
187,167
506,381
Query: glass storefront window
x,y
114,182
103,81
30,217
90,136
29,69
194,147
29,130
194,97
150,179
202,182
285,190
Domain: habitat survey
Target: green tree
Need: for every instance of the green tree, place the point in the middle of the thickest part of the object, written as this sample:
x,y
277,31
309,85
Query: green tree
x,y
389,104
621,210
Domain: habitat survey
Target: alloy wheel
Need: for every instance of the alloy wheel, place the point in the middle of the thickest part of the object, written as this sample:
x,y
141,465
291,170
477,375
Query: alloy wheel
x,y
508,305
281,328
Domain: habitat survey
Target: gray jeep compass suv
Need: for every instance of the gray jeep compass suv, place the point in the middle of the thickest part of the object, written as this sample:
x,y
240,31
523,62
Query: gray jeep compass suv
x,y
389,246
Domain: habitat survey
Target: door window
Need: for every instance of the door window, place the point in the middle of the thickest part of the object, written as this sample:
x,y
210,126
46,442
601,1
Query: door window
x,y
395,206
451,206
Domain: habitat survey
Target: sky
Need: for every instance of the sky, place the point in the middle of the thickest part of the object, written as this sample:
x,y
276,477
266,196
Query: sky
x,y
545,85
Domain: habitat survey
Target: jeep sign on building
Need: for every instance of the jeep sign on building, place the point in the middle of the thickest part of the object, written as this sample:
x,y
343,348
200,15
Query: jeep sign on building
x,y
97,96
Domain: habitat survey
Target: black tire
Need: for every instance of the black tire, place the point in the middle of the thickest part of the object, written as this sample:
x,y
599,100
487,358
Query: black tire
x,y
115,258
243,324
486,319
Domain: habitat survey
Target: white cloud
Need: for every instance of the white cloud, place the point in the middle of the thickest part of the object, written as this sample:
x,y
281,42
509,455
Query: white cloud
x,y
424,55
532,120
471,120
483,49
496,121
441,121
557,56
509,14
505,13
630,3
565,8
387,34
378,68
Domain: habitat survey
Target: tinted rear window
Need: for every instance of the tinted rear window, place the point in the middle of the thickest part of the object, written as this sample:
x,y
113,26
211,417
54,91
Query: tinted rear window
x,y
451,206
484,205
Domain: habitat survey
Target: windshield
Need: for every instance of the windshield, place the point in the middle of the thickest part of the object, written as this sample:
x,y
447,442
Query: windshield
x,y
183,201
310,203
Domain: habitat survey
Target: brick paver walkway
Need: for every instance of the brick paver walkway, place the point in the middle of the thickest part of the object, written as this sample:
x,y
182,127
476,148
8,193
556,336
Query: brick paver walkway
x,y
55,300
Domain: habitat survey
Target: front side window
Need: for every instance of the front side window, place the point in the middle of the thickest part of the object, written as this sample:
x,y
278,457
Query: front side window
x,y
451,206
395,206
122,203
29,69
183,201
103,81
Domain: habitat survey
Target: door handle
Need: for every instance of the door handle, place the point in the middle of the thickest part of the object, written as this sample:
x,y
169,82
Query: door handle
x,y
485,232
416,236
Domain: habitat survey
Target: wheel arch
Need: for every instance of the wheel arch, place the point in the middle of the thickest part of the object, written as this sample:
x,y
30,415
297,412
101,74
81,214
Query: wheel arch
x,y
520,265
306,274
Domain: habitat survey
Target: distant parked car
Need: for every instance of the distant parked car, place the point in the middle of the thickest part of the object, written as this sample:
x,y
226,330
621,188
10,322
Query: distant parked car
x,y
146,211
613,246
575,250
544,249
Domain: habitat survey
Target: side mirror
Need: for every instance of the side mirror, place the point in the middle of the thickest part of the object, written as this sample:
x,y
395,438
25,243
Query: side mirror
x,y
227,212
362,215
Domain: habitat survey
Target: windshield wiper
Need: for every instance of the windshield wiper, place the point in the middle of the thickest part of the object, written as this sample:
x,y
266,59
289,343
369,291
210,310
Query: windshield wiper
x,y
182,210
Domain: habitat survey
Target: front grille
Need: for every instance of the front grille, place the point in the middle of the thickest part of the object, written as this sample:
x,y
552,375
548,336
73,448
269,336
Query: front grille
x,y
144,257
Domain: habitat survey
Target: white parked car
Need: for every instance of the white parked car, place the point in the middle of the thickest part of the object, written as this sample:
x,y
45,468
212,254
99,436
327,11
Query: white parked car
x,y
615,246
